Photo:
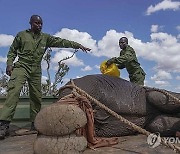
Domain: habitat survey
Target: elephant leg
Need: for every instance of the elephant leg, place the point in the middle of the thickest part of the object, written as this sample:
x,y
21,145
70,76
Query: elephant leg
x,y
163,103
166,126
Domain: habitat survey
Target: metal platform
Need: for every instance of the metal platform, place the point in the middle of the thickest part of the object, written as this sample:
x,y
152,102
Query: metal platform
x,y
22,114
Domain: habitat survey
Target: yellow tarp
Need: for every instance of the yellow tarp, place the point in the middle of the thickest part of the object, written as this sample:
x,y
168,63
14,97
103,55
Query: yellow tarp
x,y
110,70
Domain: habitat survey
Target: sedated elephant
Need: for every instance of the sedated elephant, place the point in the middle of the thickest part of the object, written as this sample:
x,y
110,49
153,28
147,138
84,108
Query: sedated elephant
x,y
145,107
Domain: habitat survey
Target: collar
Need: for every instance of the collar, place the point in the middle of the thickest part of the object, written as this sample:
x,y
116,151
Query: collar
x,y
29,31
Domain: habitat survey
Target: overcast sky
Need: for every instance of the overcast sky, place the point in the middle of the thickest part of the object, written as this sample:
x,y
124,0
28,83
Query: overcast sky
x,y
152,27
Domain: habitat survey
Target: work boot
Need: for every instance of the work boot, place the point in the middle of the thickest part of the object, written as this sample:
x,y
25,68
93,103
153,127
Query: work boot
x,y
4,129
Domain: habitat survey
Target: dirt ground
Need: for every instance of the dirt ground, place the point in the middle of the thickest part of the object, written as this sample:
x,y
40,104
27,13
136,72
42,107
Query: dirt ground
x,y
127,145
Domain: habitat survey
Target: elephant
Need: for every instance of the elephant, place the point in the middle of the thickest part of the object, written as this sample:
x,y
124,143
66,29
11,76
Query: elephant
x,y
146,107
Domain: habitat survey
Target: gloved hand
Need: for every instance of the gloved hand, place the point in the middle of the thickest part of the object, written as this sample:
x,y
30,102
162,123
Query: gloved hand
x,y
110,61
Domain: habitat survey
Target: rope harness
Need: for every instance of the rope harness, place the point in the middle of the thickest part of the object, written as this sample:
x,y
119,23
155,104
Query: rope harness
x,y
76,91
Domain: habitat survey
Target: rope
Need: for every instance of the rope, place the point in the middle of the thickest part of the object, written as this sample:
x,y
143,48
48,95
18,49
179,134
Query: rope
x,y
164,92
67,96
132,125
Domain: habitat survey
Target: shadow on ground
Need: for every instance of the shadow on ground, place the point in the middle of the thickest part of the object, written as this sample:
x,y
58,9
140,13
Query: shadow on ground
x,y
127,145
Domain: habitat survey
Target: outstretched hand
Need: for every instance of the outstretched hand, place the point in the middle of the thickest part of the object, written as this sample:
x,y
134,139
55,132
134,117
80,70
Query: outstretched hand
x,y
84,48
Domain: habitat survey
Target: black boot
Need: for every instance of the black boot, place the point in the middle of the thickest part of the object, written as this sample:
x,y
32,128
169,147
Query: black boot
x,y
4,129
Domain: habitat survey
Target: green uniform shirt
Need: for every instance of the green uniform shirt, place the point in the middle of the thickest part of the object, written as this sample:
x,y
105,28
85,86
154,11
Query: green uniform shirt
x,y
30,47
128,60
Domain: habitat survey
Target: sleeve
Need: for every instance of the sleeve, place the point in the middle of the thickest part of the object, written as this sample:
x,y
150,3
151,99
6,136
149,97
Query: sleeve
x,y
120,66
13,50
53,41
122,60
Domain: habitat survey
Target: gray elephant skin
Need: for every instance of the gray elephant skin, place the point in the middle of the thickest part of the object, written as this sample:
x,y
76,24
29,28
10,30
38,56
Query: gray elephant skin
x,y
145,107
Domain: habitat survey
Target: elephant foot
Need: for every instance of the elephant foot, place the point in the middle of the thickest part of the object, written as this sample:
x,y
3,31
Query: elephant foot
x,y
59,119
70,144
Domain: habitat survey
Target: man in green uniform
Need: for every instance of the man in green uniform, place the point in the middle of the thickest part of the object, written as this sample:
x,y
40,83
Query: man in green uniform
x,y
30,46
128,60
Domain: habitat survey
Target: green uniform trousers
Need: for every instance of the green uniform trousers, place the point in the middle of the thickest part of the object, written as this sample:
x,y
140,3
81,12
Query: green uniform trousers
x,y
138,77
31,74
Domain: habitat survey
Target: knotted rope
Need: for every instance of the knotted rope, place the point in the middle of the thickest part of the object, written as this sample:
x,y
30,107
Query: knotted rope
x,y
77,91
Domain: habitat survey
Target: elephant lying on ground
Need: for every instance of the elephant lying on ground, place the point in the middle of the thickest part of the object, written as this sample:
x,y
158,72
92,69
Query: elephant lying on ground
x,y
145,107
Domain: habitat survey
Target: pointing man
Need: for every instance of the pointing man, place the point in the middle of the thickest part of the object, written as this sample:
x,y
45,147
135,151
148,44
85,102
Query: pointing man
x,y
30,46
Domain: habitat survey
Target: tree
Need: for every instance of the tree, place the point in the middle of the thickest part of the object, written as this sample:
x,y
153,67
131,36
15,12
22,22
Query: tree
x,y
3,83
48,89
51,87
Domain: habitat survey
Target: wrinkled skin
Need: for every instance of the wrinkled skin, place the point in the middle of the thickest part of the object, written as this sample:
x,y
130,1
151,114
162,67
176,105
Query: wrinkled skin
x,y
148,109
